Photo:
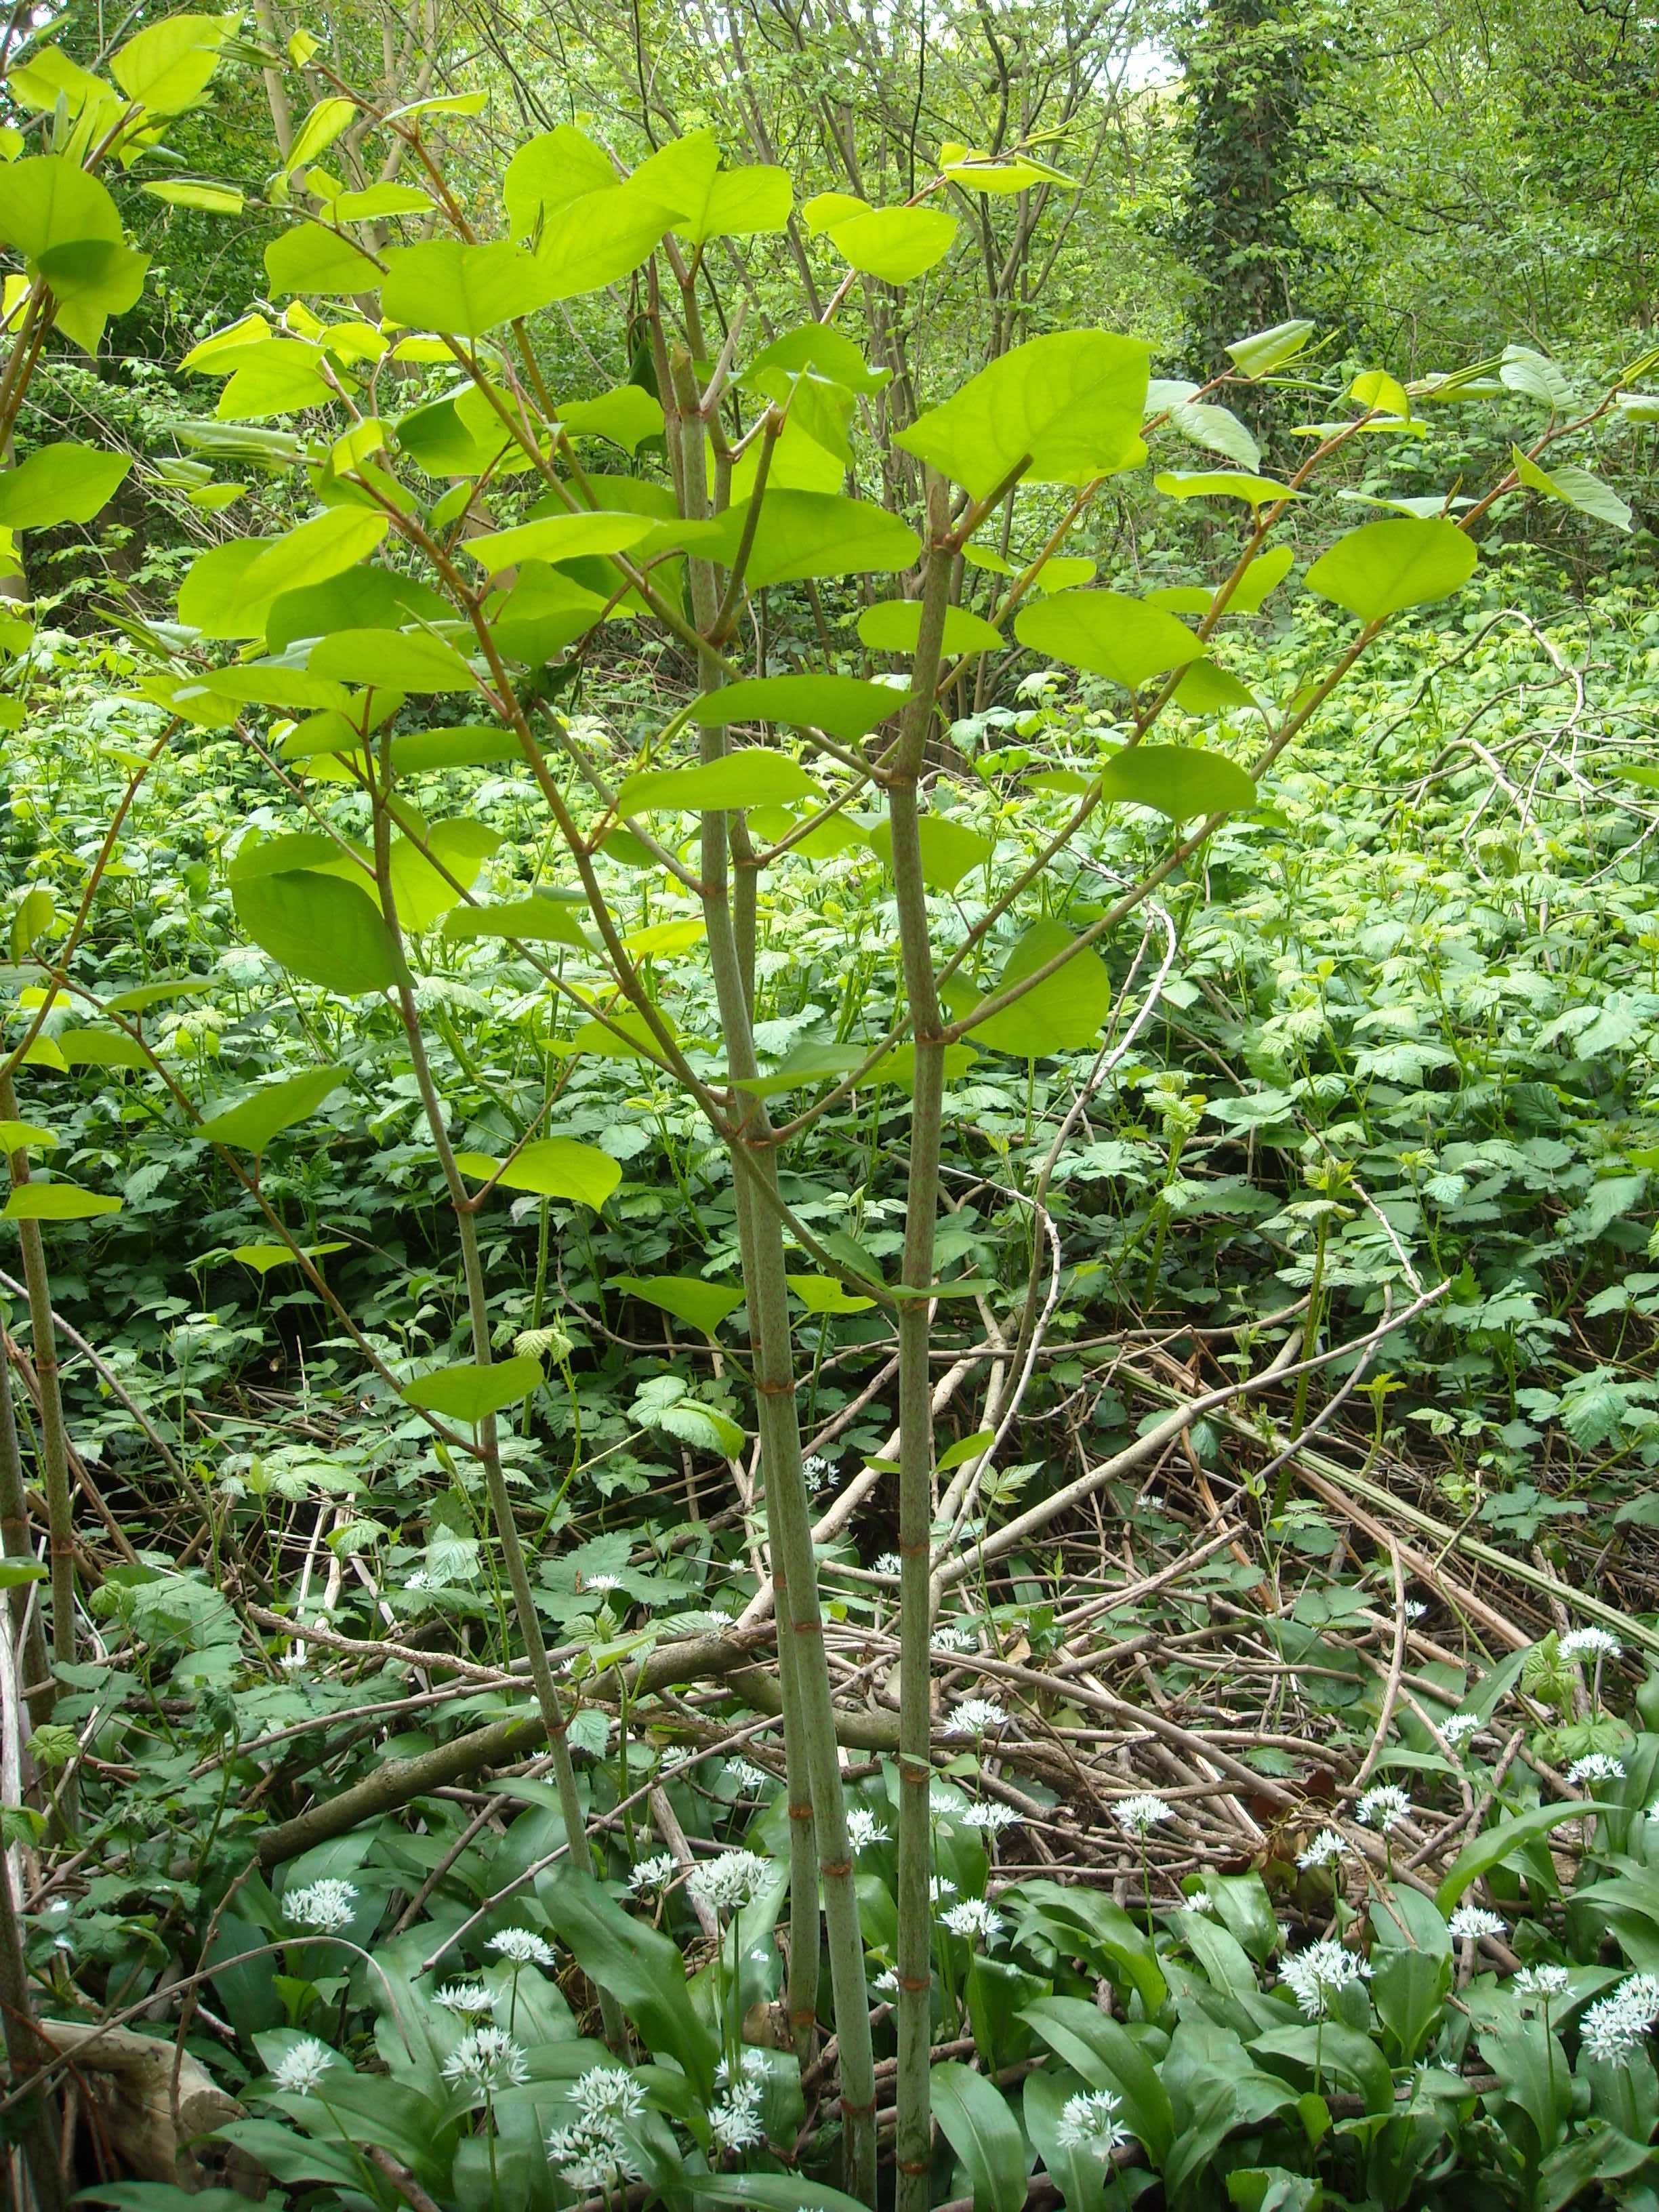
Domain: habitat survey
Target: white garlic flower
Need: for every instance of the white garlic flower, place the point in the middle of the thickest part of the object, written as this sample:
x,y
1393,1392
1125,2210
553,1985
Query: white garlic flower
x,y
885,1563
947,1637
1314,1977
974,1918
1457,1726
1135,1815
949,1806
863,1828
1471,1922
1325,1849
1384,1808
729,1882
1197,1901
653,1873
303,2066
604,1584
1541,1984
989,1816
1601,1642
592,2156
886,1982
748,1777
976,1716
1089,2121
465,1996
606,2094
736,2120
940,1886
487,2061
1614,2028
326,1905
522,1947
1595,1766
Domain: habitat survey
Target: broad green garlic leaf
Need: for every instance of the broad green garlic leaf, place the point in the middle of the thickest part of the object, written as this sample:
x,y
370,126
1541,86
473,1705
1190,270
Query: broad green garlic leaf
x,y
552,1167
895,626
472,1391
1070,405
894,244
463,290
1108,634
1179,780
1573,486
1063,1013
250,1126
1384,567
59,483
312,258
710,202
169,65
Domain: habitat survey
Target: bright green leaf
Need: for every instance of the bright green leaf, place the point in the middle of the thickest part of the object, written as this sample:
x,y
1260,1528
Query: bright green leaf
x,y
1070,405
471,1391
250,1126
1108,634
1384,567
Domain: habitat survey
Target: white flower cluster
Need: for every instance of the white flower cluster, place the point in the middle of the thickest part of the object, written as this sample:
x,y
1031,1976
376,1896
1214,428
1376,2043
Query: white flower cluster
x,y
948,1638
729,1882
885,1563
1325,1849
940,1886
1135,1815
1198,1900
992,1818
1600,1642
487,2060
652,1874
1612,2028
1595,1766
1541,1984
863,1828
1089,2121
303,2066
1471,1922
592,2152
949,1806
974,1918
522,1947
1456,1726
736,2120
748,1777
463,1997
1315,1976
976,1716
816,1471
326,1904
1384,1808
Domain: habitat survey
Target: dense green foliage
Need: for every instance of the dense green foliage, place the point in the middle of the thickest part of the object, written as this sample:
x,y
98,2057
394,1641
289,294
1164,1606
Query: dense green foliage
x,y
830,1106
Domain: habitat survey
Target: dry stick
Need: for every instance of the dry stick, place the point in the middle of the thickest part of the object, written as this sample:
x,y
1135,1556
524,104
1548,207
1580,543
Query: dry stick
x,y
111,1381
18,1358
553,1716
54,1440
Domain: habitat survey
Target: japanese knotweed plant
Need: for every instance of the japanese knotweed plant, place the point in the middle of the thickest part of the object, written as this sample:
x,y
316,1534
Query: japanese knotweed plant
x,y
467,554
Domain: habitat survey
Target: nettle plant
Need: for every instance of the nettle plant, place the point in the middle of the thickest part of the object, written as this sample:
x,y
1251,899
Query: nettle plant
x,y
467,558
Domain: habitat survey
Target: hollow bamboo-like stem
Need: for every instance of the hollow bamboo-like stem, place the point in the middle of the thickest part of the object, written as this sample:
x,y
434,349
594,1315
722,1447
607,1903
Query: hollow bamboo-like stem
x,y
913,2147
